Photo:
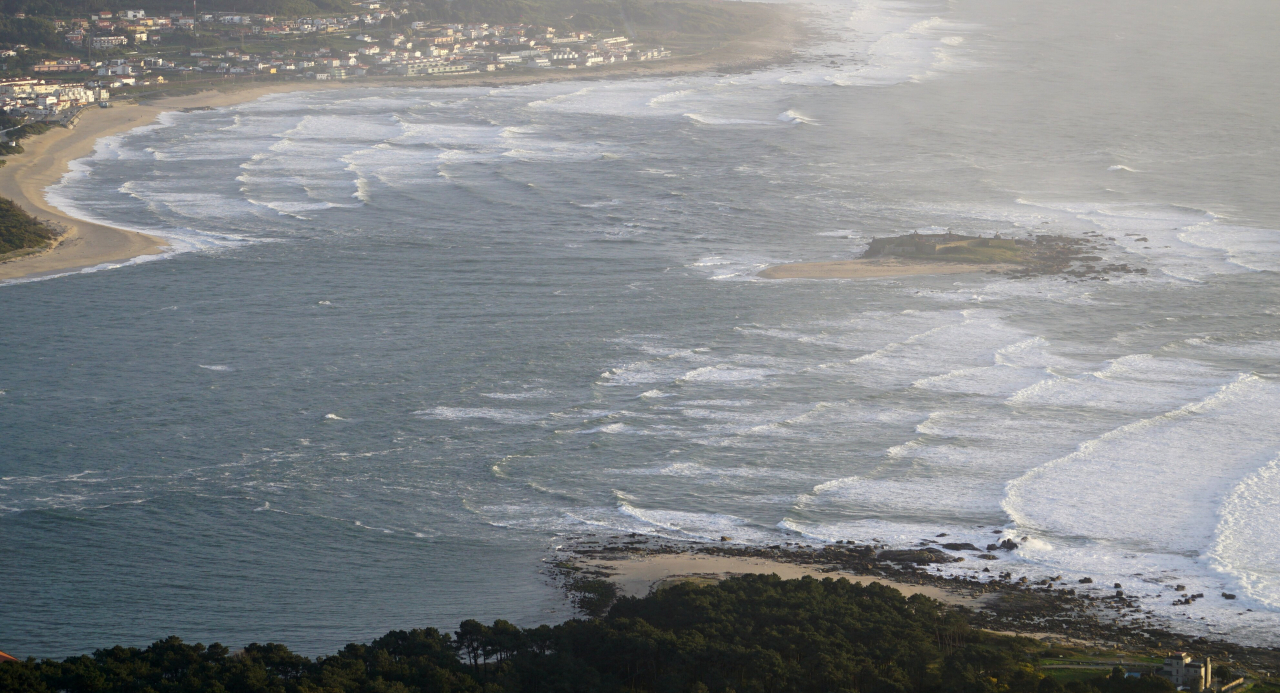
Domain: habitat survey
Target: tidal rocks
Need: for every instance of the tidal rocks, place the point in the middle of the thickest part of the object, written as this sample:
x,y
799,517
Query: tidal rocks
x,y
918,556
960,547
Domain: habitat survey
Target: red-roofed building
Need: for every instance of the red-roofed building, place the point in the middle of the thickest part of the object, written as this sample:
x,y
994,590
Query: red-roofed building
x,y
6,658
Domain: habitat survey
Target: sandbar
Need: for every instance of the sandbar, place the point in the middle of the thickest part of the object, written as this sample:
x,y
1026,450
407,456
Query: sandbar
x,y
871,269
636,575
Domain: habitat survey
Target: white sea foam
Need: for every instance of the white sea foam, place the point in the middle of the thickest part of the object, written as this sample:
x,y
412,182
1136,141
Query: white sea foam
x,y
506,416
1183,243
725,373
795,118
1154,485
538,393
705,526
1246,544
703,119
1137,383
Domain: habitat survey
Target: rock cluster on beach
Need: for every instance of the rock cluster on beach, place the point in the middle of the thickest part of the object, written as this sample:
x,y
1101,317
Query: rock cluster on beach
x,y
1046,606
1072,257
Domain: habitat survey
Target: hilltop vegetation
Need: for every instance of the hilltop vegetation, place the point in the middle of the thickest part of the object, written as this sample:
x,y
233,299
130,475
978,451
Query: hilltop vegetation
x,y
753,634
164,7
628,16
32,31
19,230
632,17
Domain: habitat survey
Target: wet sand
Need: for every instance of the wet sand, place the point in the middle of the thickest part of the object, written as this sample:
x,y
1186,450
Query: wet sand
x,y
871,269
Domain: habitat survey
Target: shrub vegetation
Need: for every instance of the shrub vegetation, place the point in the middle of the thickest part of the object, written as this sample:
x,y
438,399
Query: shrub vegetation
x,y
19,231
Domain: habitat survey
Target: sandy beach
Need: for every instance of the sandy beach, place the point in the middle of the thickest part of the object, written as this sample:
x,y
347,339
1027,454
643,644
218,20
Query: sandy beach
x,y
871,269
86,244
635,576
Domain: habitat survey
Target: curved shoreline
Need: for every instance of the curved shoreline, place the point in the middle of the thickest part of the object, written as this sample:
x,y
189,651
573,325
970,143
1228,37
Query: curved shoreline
x,y
88,244
47,159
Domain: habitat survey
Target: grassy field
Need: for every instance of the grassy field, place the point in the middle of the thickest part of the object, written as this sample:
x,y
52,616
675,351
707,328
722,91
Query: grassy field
x,y
982,256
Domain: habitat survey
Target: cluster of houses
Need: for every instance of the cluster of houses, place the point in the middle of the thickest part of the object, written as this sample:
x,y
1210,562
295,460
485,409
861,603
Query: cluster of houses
x,y
422,49
481,47
43,101
426,49
105,30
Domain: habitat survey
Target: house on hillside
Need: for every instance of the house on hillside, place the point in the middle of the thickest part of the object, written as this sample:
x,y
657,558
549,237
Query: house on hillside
x,y
1183,672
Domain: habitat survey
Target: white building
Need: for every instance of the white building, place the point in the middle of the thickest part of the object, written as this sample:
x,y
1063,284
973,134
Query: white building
x,y
1185,673
104,42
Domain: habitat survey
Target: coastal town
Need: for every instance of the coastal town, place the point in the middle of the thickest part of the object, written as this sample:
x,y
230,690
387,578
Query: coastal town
x,y
110,51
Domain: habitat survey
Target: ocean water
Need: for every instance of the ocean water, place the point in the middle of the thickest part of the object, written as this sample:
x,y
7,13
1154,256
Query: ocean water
x,y
411,339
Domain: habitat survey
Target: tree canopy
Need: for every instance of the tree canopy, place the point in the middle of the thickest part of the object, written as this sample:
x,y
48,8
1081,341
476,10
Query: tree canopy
x,y
752,634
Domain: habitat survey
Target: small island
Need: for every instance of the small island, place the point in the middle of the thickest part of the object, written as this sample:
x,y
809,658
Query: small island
x,y
952,253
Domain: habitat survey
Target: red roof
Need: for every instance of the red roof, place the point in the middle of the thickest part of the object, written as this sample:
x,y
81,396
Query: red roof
x,y
6,658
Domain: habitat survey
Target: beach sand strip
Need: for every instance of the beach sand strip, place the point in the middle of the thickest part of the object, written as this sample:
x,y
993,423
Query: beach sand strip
x,y
871,269
636,576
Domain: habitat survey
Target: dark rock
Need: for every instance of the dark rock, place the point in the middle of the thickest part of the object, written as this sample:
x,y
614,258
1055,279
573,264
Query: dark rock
x,y
726,538
1180,588
1117,585
960,547
992,547
988,557
917,556
1008,545
1086,580
1226,595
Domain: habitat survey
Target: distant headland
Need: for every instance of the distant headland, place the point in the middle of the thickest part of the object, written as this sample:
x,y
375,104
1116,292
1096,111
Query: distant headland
x,y
953,253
